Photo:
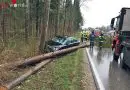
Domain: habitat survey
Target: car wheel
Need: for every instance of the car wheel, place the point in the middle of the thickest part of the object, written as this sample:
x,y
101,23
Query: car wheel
x,y
115,57
122,63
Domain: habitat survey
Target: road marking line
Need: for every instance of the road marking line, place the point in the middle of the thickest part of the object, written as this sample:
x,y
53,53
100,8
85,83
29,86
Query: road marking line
x,y
100,84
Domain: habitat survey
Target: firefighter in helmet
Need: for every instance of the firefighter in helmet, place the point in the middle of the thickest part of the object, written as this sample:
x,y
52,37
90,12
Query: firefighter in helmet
x,y
101,39
82,35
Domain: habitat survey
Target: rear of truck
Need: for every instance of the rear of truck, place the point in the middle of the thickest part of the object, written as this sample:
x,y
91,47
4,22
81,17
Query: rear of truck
x,y
121,24
125,36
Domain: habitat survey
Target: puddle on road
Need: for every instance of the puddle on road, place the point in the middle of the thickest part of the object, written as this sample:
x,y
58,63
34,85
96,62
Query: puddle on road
x,y
111,75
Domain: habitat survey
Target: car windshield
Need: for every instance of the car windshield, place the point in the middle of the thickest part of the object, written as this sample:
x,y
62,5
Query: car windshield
x,y
67,41
59,39
51,42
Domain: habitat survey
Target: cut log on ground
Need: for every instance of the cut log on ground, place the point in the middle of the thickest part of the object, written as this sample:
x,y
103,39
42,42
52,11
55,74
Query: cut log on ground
x,y
37,59
40,58
20,79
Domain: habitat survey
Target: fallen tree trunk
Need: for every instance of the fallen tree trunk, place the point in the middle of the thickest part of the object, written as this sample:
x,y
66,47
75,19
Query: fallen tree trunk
x,y
20,79
33,60
40,58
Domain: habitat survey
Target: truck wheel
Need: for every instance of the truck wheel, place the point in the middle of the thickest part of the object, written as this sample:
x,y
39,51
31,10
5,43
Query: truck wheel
x,y
122,63
115,57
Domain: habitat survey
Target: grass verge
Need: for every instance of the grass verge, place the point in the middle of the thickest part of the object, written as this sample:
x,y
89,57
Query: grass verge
x,y
61,74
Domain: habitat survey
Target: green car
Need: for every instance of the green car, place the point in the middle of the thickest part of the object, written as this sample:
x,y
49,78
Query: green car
x,y
61,42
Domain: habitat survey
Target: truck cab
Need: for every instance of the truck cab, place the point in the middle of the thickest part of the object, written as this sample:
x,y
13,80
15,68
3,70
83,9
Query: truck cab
x,y
121,24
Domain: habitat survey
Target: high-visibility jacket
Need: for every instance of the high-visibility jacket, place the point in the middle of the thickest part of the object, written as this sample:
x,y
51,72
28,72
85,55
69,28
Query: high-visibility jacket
x,y
82,34
101,38
87,33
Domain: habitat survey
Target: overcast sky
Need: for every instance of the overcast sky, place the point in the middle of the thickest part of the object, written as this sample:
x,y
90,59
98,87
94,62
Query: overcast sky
x,y
100,12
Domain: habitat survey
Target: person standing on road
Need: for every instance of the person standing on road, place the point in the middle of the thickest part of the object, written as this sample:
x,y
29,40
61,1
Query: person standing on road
x,y
115,40
87,35
101,39
81,36
116,45
92,39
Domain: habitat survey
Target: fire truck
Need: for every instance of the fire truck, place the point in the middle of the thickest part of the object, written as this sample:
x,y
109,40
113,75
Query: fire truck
x,y
121,24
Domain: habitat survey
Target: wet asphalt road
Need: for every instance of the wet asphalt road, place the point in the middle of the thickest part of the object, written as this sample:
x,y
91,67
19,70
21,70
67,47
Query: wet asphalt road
x,y
112,76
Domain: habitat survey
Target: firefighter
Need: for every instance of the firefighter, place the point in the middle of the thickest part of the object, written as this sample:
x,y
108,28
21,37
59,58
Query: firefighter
x,y
92,39
82,36
87,35
101,39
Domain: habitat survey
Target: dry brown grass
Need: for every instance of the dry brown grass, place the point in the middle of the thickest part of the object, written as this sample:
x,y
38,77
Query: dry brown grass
x,y
11,55
7,56
7,74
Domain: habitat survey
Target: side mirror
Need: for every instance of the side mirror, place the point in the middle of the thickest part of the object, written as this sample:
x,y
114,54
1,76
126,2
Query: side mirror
x,y
112,23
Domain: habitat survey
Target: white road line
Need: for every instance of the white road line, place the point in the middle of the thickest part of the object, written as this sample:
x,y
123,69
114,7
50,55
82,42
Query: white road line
x,y
100,84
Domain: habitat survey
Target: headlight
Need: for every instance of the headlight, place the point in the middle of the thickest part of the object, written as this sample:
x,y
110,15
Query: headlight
x,y
56,48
